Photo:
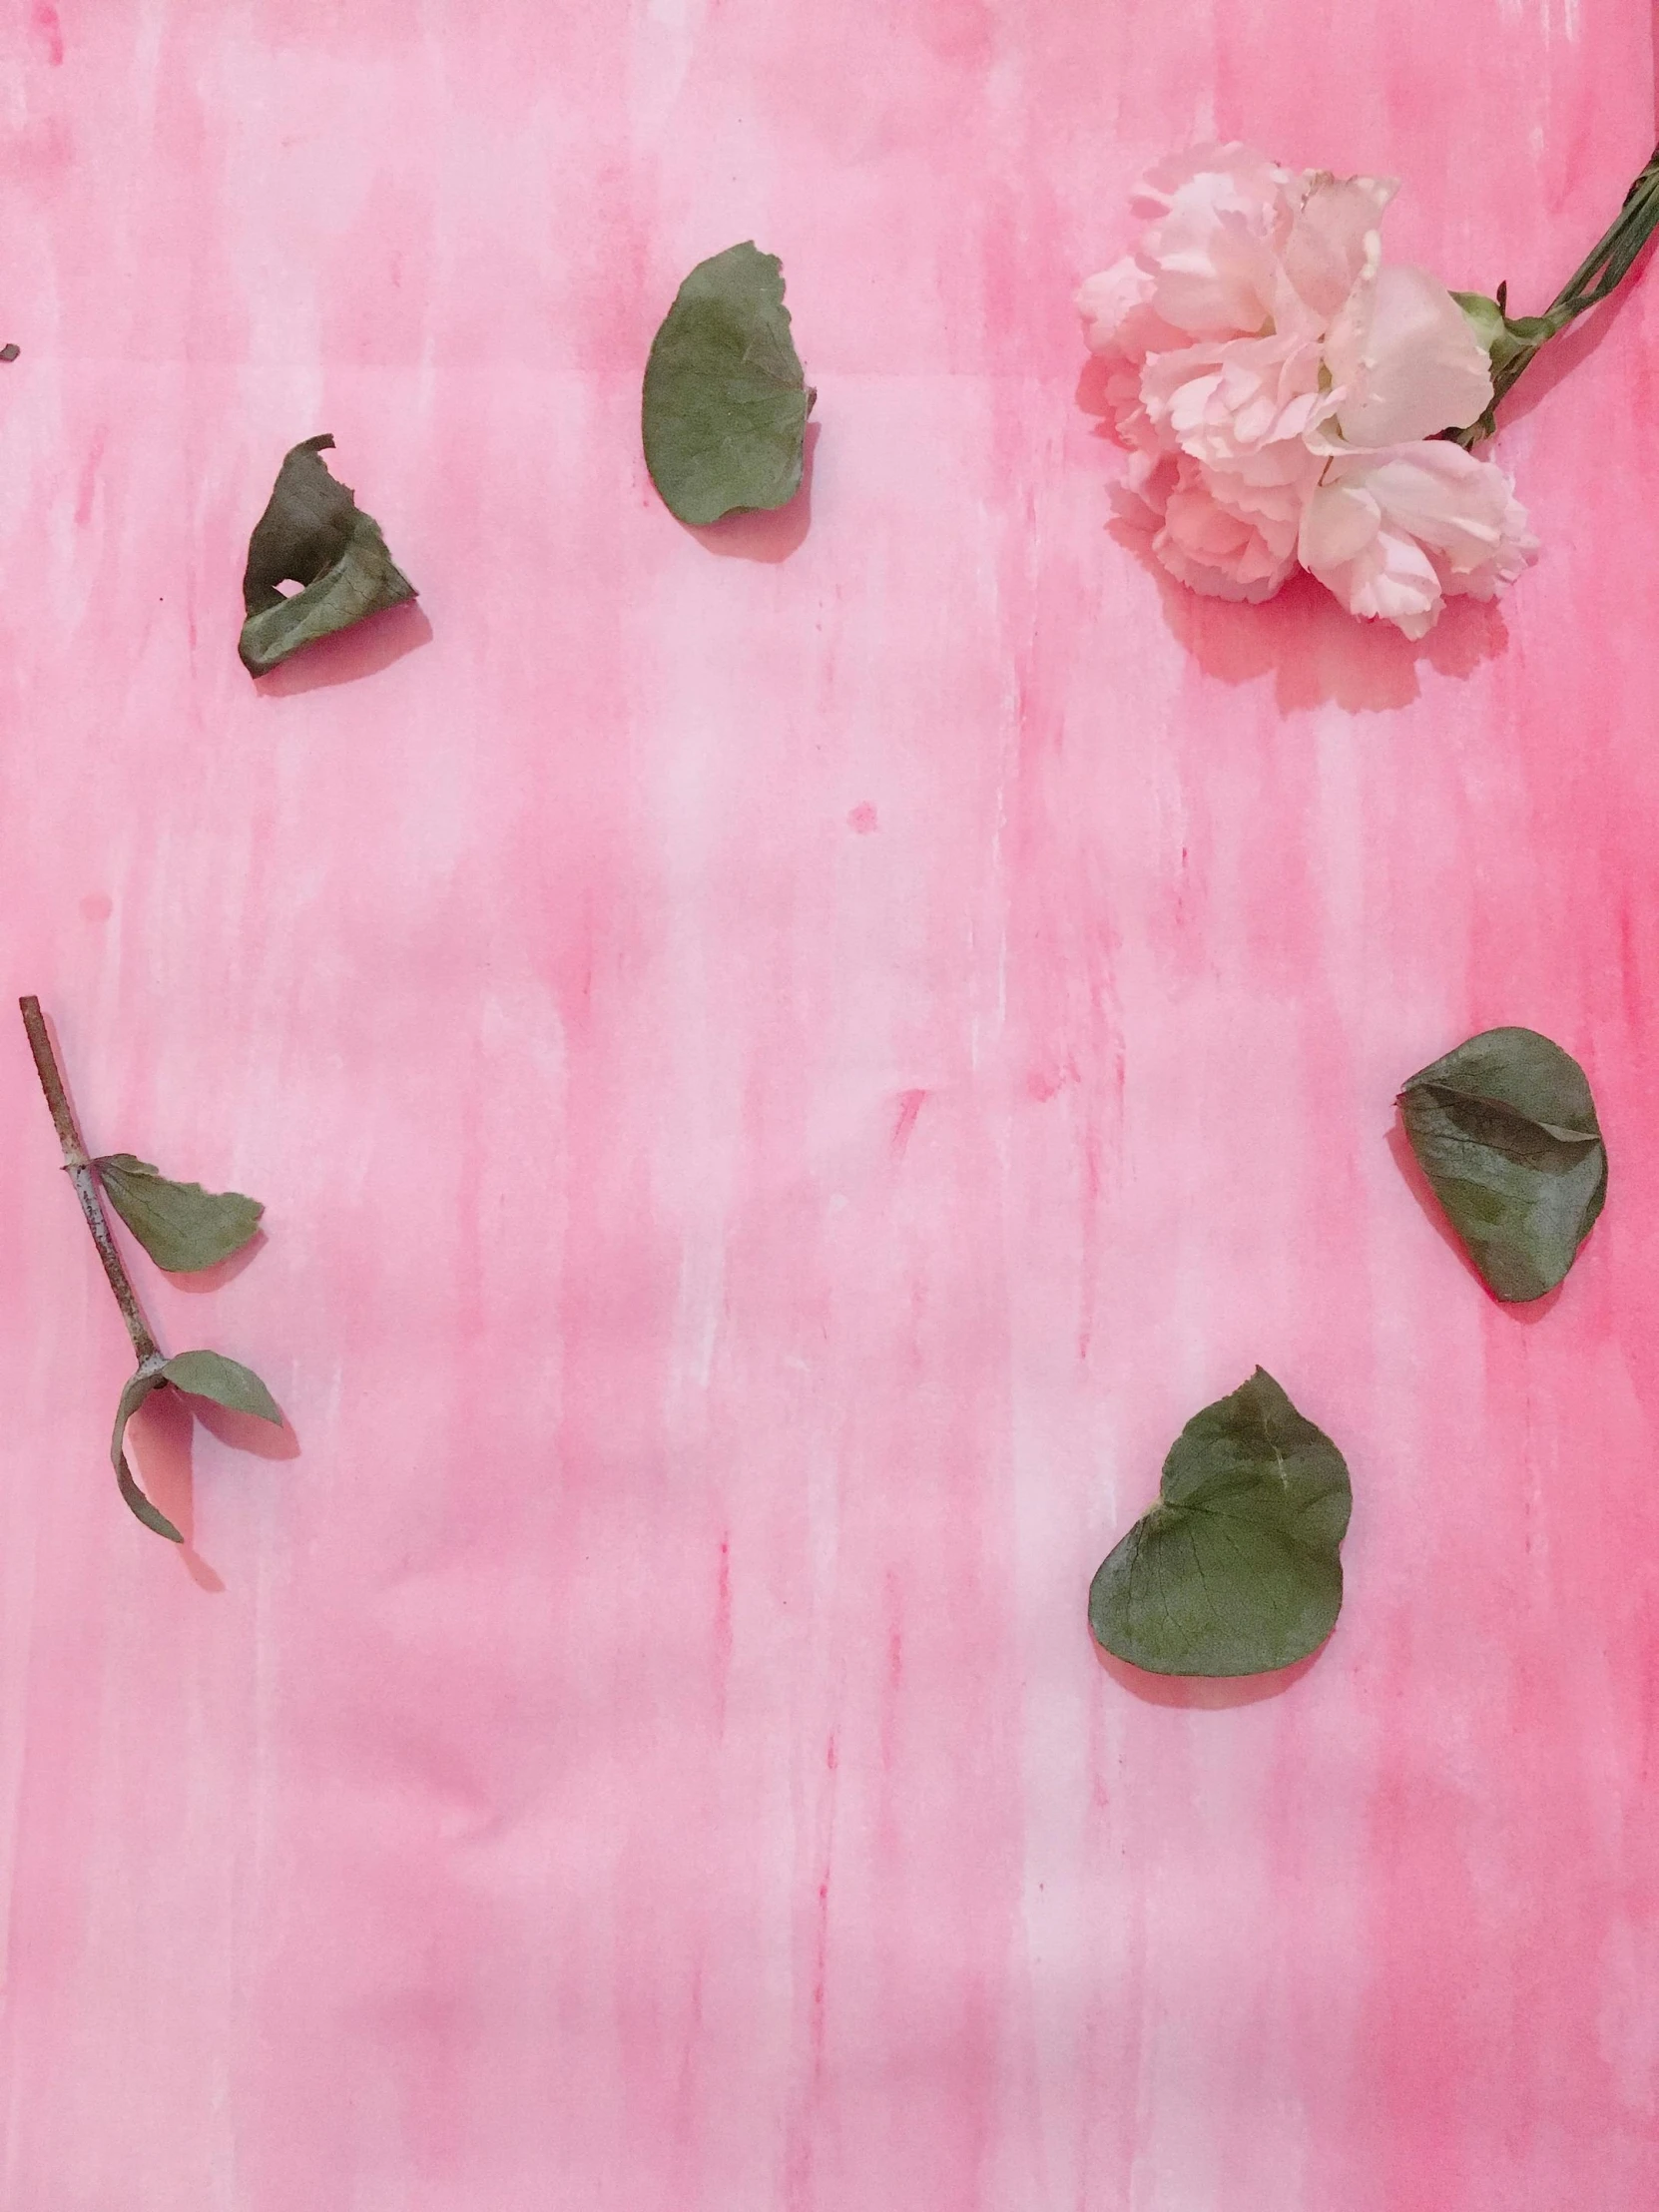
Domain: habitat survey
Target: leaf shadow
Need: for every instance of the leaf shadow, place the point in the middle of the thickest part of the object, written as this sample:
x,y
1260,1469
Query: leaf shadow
x,y
767,534
158,1447
1529,1311
222,1271
245,1432
1198,1693
363,649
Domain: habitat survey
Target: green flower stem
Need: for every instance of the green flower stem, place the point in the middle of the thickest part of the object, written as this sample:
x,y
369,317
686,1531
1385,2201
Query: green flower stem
x,y
80,1172
1600,273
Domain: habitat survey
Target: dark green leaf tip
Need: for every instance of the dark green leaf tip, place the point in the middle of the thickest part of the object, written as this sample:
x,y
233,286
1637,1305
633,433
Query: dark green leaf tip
x,y
182,1227
313,533
1236,1570
725,407
1505,1130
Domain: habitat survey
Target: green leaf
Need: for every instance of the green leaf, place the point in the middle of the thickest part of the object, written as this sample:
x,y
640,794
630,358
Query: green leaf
x,y
1505,1130
199,1375
1236,1569
137,1388
725,400
210,1374
182,1227
314,534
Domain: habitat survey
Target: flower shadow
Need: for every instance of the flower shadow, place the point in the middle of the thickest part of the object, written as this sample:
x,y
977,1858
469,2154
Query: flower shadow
x,y
1314,650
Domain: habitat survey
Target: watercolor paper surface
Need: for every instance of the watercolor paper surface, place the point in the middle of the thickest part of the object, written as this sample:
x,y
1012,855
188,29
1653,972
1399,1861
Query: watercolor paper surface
x,y
782,1063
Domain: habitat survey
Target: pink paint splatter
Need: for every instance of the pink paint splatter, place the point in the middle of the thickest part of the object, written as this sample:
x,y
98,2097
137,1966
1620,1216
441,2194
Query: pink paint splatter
x,y
49,31
910,1104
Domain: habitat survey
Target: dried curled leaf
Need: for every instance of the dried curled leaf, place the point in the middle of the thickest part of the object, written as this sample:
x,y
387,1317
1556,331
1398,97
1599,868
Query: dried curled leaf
x,y
199,1375
313,533
182,1227
725,400
1236,1569
137,1388
1505,1130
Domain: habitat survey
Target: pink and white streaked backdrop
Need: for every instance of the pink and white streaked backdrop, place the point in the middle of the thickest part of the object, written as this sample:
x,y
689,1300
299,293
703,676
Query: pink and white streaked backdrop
x,y
783,1063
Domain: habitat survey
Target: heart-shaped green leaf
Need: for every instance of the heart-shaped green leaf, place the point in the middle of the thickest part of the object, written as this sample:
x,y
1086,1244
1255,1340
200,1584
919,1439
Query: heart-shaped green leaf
x,y
1236,1569
1505,1130
725,400
199,1375
313,533
182,1227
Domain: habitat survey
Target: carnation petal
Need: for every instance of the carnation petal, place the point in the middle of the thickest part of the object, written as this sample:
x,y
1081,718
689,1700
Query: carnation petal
x,y
1392,533
1337,525
1105,300
1325,256
1226,537
1213,252
1407,360
1375,571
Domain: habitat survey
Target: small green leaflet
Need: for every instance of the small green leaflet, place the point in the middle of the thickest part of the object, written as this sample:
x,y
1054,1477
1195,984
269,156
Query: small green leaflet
x,y
314,534
1235,1570
725,400
182,1227
1505,1130
211,1375
199,1375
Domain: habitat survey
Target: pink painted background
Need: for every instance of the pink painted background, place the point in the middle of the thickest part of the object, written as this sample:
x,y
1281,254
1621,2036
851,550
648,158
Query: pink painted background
x,y
783,1063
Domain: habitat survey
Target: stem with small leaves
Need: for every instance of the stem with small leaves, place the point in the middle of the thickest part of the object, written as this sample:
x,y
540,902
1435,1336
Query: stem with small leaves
x,y
79,1169
1600,273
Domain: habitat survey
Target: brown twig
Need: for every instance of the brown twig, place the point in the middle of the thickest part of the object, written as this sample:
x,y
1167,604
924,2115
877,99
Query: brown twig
x,y
80,1172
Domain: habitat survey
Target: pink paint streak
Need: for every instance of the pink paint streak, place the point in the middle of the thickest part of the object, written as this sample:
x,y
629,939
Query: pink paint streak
x,y
732,1275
